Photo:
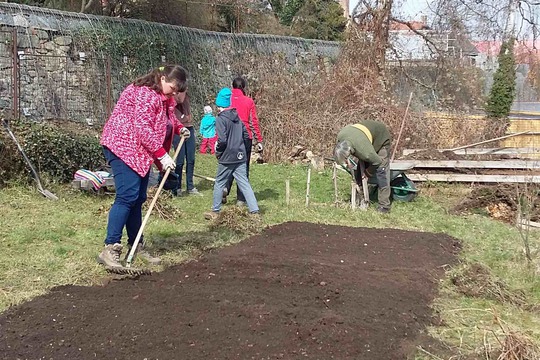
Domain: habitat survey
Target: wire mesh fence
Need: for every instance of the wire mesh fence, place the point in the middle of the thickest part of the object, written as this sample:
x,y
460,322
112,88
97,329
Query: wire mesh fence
x,y
6,70
56,87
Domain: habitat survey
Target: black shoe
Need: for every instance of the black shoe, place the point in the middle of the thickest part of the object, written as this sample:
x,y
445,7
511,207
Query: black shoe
x,y
224,196
383,210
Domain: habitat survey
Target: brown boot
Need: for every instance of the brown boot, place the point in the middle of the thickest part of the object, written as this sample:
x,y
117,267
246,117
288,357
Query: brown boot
x,y
211,215
110,256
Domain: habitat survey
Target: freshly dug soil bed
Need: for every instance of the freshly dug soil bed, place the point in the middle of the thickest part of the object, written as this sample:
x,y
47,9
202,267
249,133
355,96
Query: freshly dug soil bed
x,y
296,291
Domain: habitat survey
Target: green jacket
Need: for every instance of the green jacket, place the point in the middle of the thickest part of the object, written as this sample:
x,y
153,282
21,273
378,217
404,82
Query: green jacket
x,y
361,145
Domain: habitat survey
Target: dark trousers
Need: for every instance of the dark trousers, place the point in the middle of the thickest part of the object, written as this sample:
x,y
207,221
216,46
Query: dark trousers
x,y
382,178
239,195
187,155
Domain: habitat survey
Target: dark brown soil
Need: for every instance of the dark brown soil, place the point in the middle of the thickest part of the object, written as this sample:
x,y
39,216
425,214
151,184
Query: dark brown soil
x,y
296,291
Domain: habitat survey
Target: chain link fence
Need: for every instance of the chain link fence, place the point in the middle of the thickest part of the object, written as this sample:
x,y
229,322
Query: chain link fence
x,y
56,87
6,70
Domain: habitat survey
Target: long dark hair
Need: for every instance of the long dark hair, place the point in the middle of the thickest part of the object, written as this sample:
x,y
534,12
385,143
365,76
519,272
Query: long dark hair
x,y
239,83
172,73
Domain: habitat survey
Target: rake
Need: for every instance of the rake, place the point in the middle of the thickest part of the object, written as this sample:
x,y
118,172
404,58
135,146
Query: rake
x,y
127,269
44,192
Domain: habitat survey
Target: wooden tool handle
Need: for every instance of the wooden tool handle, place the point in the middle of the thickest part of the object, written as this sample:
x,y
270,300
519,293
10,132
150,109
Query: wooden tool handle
x,y
152,204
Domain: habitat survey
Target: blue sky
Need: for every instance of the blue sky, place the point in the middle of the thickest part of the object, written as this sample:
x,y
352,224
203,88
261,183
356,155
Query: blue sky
x,y
405,9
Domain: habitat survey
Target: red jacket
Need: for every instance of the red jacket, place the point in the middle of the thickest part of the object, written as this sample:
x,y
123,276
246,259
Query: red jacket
x,y
136,129
246,109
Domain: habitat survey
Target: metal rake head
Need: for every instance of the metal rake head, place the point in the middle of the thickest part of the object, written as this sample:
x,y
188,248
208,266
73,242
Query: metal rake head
x,y
128,271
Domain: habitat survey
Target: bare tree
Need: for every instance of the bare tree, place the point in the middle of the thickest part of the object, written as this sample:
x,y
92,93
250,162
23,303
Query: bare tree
x,y
374,16
489,19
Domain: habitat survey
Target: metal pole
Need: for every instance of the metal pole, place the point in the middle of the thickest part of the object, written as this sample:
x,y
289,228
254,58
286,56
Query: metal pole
x,y
15,76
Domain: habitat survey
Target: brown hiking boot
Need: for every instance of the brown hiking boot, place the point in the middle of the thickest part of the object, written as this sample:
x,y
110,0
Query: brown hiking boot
x,y
255,216
144,254
211,215
110,256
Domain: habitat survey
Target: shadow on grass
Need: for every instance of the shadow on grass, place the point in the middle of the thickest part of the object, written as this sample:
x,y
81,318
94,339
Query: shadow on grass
x,y
193,240
266,194
205,185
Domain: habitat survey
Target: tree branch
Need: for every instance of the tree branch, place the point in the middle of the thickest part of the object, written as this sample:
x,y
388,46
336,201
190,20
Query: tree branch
x,y
85,6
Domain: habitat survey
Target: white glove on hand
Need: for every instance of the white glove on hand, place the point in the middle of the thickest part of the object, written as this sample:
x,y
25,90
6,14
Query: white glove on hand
x,y
259,147
185,132
215,146
167,162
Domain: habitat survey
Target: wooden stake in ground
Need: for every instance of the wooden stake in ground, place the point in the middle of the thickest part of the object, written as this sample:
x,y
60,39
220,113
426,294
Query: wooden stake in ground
x,y
354,191
334,178
401,128
287,192
307,187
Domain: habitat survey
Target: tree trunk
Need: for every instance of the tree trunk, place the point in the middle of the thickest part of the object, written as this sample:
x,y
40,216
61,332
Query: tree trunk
x,y
381,27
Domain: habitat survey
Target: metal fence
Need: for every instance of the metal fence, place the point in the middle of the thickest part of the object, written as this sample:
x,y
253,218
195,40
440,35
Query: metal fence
x,y
62,88
8,100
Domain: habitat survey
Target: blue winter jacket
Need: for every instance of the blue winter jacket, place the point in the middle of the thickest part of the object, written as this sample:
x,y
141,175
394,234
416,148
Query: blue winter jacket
x,y
208,126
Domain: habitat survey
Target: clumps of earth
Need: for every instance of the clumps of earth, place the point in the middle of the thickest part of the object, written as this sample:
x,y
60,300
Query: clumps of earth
x,y
502,202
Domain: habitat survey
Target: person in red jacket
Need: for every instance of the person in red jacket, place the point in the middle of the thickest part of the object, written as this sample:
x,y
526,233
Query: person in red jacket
x,y
132,140
245,106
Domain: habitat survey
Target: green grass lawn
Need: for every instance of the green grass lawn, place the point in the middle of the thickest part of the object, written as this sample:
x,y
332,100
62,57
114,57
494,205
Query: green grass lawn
x,y
48,243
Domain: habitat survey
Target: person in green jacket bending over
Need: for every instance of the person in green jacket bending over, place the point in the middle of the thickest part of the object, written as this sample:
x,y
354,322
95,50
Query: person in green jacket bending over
x,y
369,141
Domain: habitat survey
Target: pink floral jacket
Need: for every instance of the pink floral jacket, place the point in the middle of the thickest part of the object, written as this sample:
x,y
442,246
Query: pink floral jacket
x,y
136,129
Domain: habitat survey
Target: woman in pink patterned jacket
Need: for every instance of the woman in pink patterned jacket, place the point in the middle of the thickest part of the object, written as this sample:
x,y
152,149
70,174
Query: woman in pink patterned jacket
x,y
132,140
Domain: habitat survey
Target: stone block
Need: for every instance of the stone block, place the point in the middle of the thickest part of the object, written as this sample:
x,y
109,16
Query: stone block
x,y
63,40
41,34
25,41
49,45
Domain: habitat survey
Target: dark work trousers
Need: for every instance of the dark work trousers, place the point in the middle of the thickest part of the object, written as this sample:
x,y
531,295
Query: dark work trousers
x,y
187,154
239,195
382,177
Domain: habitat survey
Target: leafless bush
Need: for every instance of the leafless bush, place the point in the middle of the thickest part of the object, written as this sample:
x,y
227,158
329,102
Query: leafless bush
x,y
309,110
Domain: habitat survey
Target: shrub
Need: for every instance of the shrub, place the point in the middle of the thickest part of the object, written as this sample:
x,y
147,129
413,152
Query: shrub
x,y
55,152
503,90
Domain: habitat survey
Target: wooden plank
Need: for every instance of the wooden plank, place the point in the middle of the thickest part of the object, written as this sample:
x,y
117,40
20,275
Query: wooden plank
x,y
532,224
472,164
482,151
476,178
488,141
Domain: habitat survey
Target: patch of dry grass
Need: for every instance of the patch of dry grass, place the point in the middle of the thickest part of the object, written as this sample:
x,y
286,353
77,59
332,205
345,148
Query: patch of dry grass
x,y
238,220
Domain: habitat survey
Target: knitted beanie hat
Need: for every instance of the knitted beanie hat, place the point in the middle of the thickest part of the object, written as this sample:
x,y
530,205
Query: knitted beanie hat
x,y
207,109
223,98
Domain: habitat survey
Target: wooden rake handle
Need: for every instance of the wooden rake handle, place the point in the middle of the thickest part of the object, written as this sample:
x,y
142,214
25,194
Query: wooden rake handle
x,y
152,204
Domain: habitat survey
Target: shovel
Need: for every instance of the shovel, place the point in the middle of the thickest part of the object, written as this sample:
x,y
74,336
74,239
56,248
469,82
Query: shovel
x,y
44,192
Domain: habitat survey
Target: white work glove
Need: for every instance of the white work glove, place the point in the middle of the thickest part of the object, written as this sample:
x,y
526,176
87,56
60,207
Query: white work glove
x,y
259,146
167,162
185,132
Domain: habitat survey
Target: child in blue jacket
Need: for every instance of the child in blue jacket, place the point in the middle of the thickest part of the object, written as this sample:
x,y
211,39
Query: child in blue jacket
x,y
231,155
208,131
